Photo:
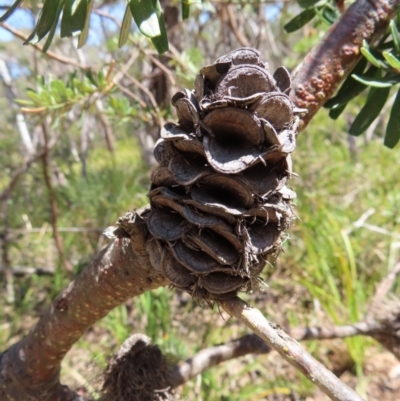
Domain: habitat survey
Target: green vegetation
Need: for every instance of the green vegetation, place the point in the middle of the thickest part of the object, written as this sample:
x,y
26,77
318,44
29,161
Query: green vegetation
x,y
330,266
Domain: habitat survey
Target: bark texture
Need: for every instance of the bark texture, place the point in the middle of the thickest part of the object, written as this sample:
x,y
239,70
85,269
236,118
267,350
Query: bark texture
x,y
328,64
29,370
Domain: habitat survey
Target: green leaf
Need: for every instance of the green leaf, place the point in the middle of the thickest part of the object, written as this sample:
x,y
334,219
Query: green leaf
x,y
395,36
47,18
393,61
392,135
85,31
73,20
335,112
185,4
300,20
366,52
160,42
307,3
350,88
329,15
126,27
370,111
10,11
385,82
65,29
53,29
145,15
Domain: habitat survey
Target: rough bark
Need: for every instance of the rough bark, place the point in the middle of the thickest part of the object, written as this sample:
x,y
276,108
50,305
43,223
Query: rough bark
x,y
30,369
328,63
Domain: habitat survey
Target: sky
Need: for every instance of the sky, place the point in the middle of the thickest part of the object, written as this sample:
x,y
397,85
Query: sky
x,y
22,19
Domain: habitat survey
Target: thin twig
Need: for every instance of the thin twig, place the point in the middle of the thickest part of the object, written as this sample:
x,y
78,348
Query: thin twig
x,y
55,56
53,201
251,344
290,350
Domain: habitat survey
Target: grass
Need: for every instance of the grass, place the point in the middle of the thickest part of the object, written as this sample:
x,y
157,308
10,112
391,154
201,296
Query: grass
x,y
326,276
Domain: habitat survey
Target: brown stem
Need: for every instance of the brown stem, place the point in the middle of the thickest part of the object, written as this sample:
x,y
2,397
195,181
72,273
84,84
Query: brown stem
x,y
30,369
55,56
326,66
213,356
53,201
290,350
251,344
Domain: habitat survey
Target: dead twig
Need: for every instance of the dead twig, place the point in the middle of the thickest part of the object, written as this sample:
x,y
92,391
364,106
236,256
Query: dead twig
x,y
53,201
290,350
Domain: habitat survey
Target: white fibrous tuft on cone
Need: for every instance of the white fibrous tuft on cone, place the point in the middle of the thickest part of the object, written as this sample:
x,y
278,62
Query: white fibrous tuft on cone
x,y
219,200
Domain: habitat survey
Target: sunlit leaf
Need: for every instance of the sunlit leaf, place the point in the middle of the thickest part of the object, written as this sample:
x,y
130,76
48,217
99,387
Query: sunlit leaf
x,y
53,30
370,111
395,36
79,16
300,20
126,27
185,9
48,16
385,82
393,61
366,52
160,42
85,31
10,11
335,112
392,135
145,15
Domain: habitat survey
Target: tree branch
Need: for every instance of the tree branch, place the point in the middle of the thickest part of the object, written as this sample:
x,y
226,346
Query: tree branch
x,y
290,350
326,66
54,56
30,369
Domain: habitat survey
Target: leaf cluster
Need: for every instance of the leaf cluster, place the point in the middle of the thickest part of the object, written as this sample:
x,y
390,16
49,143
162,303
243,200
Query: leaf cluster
x,y
379,71
74,19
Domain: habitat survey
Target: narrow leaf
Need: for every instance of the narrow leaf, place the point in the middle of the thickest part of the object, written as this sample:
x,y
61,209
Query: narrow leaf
x,y
78,17
392,135
53,30
126,27
48,16
350,88
385,82
85,31
370,111
329,15
366,52
335,112
145,15
393,61
65,30
307,3
160,42
300,20
10,11
185,4
395,36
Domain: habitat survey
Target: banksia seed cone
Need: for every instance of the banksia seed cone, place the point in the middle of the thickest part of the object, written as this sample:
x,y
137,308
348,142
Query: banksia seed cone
x,y
219,201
